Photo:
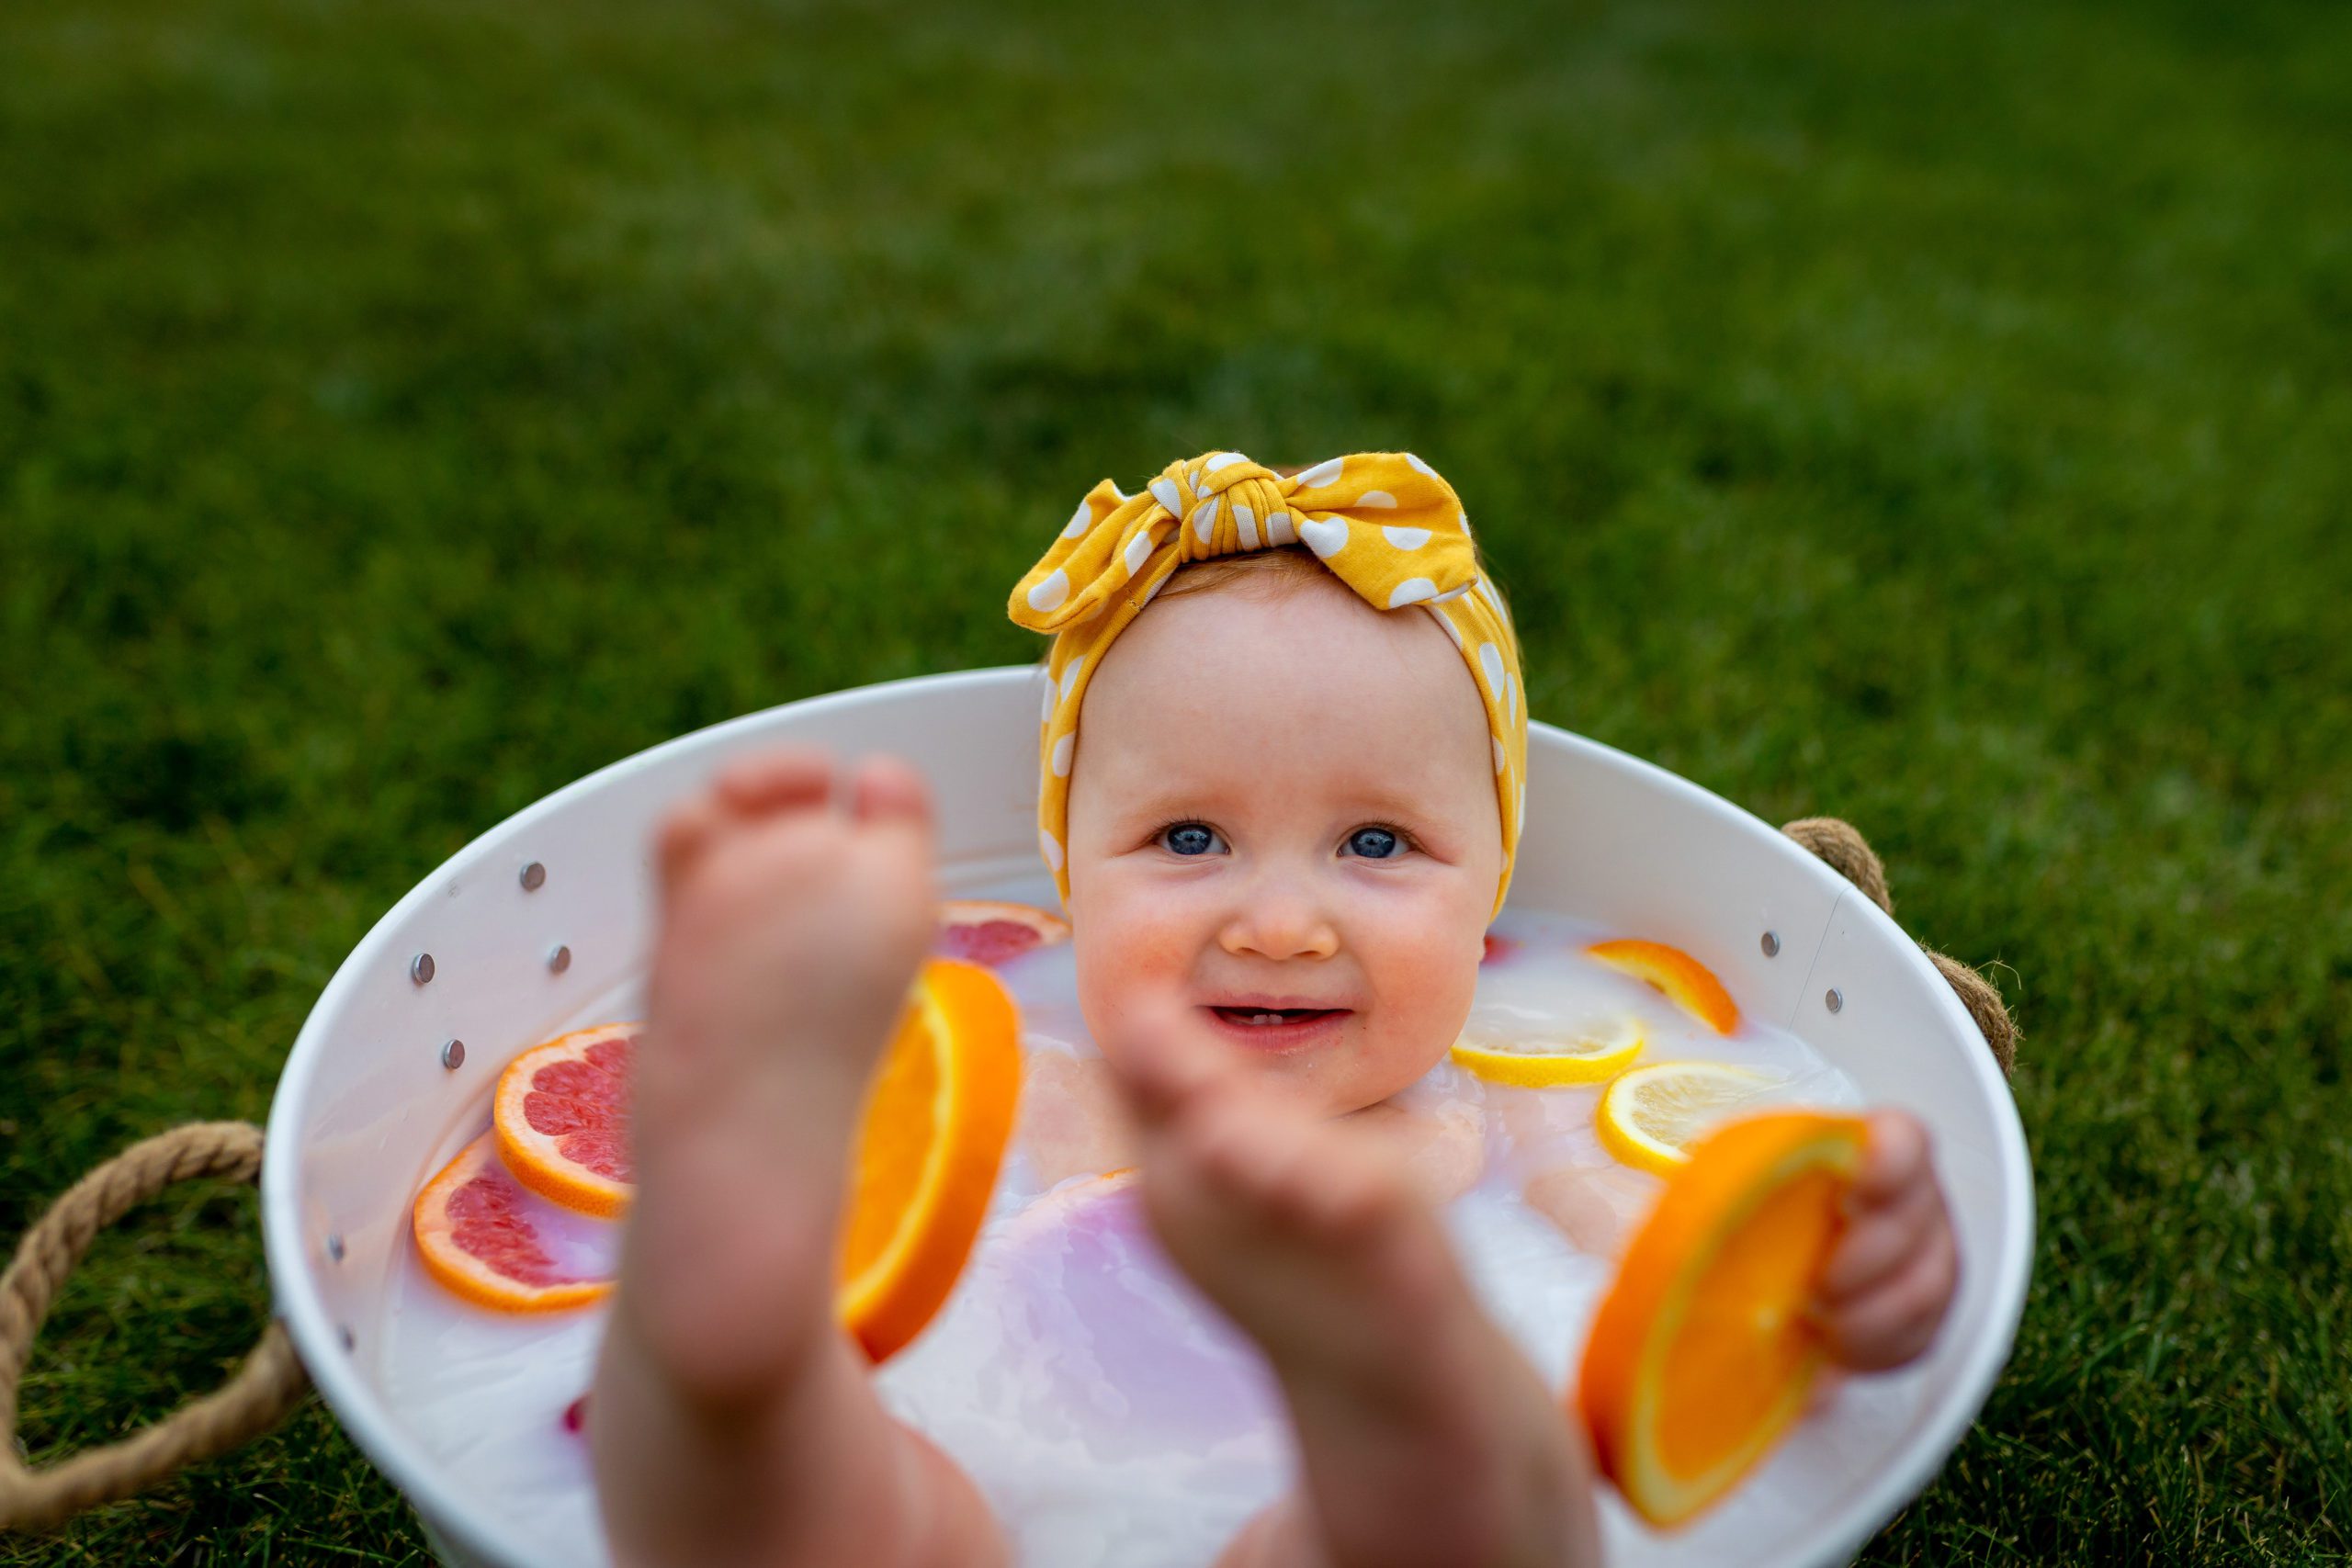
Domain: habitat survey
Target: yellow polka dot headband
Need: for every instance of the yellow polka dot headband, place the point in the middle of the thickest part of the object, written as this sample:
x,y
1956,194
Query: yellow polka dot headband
x,y
1382,522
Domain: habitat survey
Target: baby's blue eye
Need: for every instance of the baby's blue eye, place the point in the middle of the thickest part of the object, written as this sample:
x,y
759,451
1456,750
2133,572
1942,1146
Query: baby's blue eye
x,y
1374,843
1189,839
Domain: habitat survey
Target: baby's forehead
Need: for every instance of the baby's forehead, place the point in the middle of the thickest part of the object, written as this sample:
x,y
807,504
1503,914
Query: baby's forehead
x,y
1305,651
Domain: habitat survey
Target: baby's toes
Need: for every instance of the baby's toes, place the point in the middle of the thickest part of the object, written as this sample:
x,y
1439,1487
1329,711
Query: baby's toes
x,y
680,842
787,779
887,791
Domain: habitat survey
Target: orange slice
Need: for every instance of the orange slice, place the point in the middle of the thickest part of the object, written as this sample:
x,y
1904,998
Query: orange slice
x,y
1691,983
936,1121
1703,1350
478,1237
562,1115
982,931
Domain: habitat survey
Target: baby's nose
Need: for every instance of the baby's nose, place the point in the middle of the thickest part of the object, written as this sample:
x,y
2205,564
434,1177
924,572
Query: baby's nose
x,y
1279,924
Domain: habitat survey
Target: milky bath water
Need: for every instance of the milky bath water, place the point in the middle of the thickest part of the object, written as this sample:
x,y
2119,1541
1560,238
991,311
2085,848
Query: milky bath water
x,y
1107,1412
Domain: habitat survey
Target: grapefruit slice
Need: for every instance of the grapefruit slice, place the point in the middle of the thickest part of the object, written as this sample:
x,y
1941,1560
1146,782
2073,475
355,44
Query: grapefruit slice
x,y
561,1117
1651,1116
1683,977
937,1117
1570,1057
1703,1350
477,1237
1497,949
982,931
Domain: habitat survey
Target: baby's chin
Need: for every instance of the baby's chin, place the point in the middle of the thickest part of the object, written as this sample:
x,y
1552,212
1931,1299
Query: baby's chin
x,y
1349,1073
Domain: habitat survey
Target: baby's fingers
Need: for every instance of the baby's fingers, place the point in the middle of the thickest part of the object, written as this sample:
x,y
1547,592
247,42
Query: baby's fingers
x,y
1895,1157
1879,1238
1895,1320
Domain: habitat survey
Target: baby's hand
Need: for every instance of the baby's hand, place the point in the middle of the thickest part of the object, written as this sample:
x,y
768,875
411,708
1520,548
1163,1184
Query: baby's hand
x,y
1894,1271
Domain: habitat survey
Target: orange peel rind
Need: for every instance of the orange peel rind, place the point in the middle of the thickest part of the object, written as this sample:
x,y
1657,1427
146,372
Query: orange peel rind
x,y
1703,1351
938,1115
1691,983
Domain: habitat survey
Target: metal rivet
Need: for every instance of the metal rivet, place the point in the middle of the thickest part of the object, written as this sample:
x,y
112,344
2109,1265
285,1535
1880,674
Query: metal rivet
x,y
420,968
350,1340
534,877
453,1054
335,1246
559,959
1772,944
1835,998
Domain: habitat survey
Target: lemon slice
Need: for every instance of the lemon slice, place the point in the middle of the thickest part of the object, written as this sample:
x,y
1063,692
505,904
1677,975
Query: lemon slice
x,y
1579,1055
1650,1117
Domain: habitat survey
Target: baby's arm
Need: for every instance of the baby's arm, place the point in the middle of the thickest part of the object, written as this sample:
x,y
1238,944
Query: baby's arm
x,y
1590,1198
1596,1207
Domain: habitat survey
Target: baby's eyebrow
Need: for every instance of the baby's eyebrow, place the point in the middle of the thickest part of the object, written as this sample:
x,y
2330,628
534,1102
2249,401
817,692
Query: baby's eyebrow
x,y
1171,798
1386,799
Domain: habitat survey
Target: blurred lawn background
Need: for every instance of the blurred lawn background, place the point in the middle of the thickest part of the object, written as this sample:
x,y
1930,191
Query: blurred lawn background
x,y
1937,415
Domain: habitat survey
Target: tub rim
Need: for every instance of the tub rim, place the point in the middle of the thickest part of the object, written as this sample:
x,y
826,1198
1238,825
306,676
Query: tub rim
x,y
451,1522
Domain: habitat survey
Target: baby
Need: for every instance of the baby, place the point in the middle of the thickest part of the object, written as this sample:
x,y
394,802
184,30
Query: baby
x,y
1293,818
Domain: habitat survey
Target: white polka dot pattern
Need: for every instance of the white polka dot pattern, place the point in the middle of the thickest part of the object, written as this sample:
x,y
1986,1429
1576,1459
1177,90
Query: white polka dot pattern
x,y
1412,591
1384,522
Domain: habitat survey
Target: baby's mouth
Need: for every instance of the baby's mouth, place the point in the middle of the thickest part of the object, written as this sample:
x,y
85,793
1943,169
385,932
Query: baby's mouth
x,y
1274,1028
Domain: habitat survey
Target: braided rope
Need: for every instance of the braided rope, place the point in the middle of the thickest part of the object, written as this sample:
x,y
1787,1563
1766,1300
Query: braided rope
x,y
1842,847
268,1385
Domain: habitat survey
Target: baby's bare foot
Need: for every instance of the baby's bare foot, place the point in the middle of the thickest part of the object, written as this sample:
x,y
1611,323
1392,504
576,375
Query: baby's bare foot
x,y
732,1421
1426,1437
791,930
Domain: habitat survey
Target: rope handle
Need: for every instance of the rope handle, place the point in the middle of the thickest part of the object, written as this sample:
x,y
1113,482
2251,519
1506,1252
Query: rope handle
x,y
260,1394
1842,845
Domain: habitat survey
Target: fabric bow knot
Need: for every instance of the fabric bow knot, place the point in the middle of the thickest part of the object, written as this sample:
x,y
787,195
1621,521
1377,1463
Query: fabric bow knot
x,y
1384,522
1221,503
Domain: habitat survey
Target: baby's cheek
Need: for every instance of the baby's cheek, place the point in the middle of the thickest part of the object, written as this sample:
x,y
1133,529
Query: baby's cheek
x,y
1129,953
1428,969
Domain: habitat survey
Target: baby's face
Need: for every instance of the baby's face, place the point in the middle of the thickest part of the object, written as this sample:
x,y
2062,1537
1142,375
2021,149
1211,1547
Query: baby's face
x,y
1282,828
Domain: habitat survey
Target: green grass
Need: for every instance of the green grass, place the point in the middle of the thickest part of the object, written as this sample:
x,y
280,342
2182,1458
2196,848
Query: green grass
x,y
1937,415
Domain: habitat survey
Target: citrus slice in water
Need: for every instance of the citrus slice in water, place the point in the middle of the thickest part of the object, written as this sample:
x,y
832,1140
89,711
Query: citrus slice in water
x,y
562,1116
1576,1055
982,931
1690,983
1651,1116
477,1237
1703,1350
937,1117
